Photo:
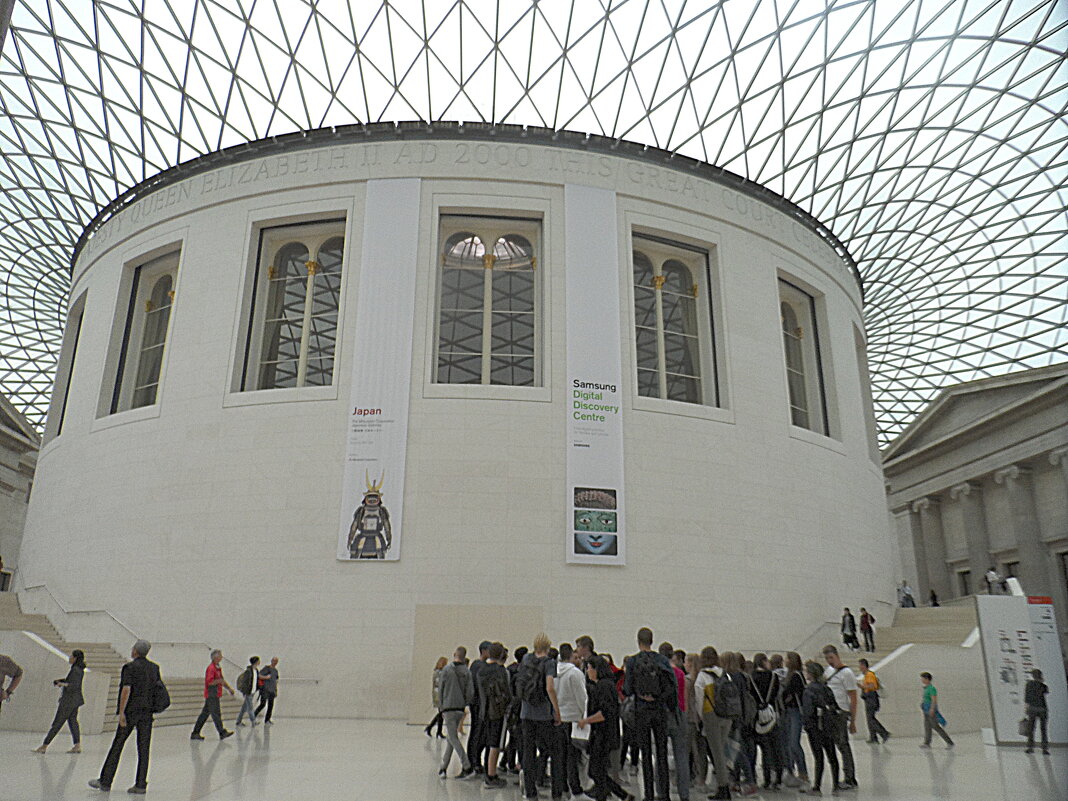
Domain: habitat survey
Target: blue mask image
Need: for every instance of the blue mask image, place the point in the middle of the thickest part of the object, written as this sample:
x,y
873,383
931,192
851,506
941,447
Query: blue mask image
x,y
595,543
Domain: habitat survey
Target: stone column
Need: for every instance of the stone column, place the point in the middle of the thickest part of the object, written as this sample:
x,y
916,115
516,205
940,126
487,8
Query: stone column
x,y
1031,551
1060,457
934,545
970,497
913,554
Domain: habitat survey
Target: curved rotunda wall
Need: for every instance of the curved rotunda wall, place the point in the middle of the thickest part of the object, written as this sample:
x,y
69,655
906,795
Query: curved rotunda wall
x,y
200,511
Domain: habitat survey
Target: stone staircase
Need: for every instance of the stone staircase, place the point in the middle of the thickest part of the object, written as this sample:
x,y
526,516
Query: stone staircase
x,y
941,625
187,694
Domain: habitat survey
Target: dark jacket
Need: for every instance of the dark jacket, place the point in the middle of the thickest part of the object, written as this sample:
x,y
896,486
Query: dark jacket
x,y
72,687
140,676
1035,694
815,701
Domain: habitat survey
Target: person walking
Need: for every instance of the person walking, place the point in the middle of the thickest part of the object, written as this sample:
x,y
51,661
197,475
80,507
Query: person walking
x,y
540,709
867,629
843,684
268,685
792,693
213,687
819,709
849,630
603,718
69,702
457,692
651,682
869,694
435,694
246,685
139,682
932,717
8,670
1035,692
907,599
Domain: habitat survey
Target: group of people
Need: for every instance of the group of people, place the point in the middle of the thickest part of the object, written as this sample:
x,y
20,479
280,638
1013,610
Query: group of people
x,y
867,630
142,694
552,709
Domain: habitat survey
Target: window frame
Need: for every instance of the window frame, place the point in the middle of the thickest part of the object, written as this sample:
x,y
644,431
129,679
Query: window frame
x,y
57,415
140,277
255,309
499,225
812,318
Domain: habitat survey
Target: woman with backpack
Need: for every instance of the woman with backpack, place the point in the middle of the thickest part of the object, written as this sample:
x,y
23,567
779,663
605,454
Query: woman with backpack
x,y
792,692
717,696
742,734
765,689
69,702
817,707
246,685
436,696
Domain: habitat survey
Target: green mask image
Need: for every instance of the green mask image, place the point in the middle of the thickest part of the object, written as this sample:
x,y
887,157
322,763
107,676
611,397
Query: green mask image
x,y
593,520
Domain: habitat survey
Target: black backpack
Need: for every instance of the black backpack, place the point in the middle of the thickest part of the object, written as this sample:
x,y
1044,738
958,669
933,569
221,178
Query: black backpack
x,y
161,698
495,693
244,681
530,681
728,697
650,678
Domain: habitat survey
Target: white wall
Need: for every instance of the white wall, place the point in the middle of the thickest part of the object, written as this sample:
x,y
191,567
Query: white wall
x,y
212,517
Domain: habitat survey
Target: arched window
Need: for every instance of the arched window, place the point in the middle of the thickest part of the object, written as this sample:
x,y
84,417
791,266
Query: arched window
x,y
144,341
488,327
293,332
801,350
673,326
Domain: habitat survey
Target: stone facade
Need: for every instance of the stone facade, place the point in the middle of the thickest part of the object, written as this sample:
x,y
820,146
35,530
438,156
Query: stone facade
x,y
18,459
980,479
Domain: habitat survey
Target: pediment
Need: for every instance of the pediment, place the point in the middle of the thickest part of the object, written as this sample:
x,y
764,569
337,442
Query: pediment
x,y
959,407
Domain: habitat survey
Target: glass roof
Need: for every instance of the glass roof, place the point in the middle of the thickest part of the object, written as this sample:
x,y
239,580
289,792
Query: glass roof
x,y
929,135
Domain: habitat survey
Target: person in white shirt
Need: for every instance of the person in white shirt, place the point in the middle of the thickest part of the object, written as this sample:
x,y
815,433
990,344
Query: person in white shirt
x,y
843,683
572,697
716,728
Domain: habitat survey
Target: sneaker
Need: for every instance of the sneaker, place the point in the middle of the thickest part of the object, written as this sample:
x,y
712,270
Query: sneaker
x,y
849,784
494,782
75,749
748,790
1026,751
97,785
886,736
925,745
1045,751
195,736
811,791
41,749
443,774
226,734
466,773
949,746
721,794
135,790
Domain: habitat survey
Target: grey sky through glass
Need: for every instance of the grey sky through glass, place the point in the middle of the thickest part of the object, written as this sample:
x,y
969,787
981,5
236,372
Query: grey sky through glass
x,y
929,135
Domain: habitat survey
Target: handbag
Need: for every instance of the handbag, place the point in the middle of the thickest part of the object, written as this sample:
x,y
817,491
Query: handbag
x,y
767,716
1024,727
628,711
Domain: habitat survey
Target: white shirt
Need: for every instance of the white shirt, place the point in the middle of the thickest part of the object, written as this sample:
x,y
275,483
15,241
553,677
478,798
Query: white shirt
x,y
840,682
704,678
570,692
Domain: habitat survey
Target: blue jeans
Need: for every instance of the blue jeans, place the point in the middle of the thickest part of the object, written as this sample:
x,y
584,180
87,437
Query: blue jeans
x,y
247,709
795,754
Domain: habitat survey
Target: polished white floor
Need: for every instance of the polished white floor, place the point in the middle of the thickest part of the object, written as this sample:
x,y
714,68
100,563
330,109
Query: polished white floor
x,y
316,760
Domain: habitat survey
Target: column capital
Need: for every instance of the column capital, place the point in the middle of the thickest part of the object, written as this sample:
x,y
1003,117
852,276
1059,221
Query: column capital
x,y
925,504
1058,456
1009,474
957,491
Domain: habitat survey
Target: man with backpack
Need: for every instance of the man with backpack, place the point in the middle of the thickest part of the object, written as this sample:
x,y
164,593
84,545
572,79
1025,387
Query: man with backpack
x,y
495,692
457,691
539,712
511,753
651,688
476,744
246,685
141,695
720,697
843,683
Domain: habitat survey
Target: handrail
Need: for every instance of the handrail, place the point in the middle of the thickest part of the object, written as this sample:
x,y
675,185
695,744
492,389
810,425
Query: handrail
x,y
122,625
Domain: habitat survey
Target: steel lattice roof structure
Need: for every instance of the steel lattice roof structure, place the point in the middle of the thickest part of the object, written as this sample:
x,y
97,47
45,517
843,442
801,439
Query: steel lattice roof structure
x,y
928,135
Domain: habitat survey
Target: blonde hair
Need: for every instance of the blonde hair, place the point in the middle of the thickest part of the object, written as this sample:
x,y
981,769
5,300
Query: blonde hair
x,y
442,662
542,641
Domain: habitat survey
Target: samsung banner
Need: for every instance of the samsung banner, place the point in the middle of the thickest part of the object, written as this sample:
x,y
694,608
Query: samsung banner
x,y
594,523
1018,635
372,494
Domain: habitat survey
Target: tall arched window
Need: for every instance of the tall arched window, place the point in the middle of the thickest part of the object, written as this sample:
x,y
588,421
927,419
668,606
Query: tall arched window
x,y
293,332
144,341
801,350
673,325
488,326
